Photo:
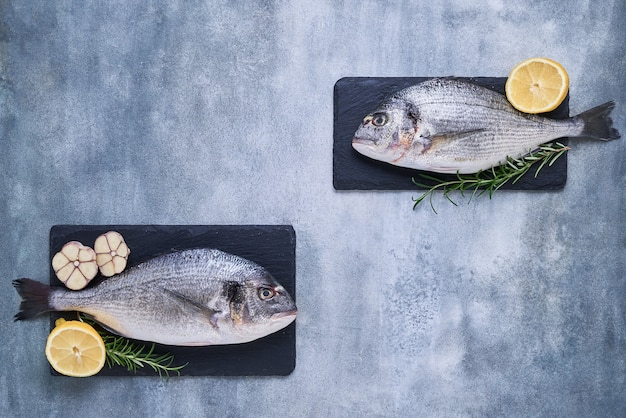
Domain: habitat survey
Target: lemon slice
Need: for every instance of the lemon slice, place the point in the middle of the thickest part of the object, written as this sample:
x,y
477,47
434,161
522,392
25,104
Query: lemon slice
x,y
75,349
537,85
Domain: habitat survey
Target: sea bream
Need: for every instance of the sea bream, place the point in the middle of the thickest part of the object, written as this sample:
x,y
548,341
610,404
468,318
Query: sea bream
x,y
190,298
448,125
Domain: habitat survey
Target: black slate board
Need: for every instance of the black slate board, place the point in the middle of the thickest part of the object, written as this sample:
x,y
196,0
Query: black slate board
x,y
271,246
355,97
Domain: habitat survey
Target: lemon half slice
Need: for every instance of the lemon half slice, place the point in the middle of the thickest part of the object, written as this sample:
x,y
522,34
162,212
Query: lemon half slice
x,y
75,349
537,85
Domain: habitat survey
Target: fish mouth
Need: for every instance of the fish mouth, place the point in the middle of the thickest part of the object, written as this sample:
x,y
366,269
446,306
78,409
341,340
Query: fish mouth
x,y
364,146
362,142
285,314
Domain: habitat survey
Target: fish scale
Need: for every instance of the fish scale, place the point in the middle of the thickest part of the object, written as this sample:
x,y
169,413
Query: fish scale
x,y
447,125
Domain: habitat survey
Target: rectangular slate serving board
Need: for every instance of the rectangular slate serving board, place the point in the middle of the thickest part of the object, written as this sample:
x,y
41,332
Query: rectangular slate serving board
x,y
355,97
271,246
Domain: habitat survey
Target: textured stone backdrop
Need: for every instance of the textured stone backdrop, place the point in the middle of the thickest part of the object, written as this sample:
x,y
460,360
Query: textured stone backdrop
x,y
220,112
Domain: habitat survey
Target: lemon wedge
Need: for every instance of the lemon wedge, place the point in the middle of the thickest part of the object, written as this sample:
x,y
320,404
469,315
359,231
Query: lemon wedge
x,y
75,349
537,85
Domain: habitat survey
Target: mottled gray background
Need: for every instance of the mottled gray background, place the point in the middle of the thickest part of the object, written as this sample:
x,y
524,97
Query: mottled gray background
x,y
220,112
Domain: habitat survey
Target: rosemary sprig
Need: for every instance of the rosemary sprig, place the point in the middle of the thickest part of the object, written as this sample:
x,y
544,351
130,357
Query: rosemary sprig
x,y
131,355
492,179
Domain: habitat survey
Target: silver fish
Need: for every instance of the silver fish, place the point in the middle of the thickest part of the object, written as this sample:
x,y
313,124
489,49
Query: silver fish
x,y
447,125
190,298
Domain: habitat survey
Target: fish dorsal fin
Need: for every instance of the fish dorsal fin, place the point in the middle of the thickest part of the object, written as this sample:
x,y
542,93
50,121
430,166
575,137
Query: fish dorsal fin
x,y
209,314
445,139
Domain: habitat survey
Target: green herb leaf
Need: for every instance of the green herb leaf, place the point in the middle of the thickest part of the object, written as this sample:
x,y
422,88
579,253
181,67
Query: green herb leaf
x,y
492,179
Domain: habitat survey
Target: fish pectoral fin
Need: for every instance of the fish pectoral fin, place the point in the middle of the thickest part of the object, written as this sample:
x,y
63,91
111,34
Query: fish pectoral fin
x,y
197,308
445,139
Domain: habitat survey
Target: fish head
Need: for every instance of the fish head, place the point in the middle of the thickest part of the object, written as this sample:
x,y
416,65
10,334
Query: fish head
x,y
387,133
260,305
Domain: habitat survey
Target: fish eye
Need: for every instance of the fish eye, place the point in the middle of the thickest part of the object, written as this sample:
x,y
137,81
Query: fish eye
x,y
266,293
379,119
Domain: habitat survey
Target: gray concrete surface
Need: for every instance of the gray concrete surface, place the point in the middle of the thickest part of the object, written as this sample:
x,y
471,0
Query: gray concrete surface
x,y
221,112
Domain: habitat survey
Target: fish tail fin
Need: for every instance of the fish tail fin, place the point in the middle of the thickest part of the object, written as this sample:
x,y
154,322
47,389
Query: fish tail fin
x,y
598,123
35,297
